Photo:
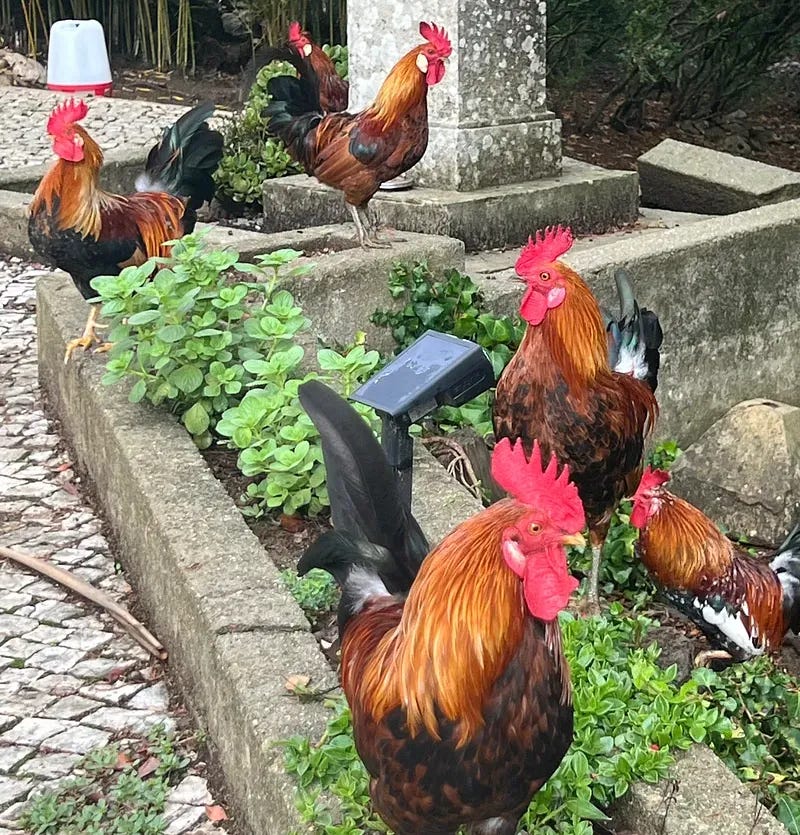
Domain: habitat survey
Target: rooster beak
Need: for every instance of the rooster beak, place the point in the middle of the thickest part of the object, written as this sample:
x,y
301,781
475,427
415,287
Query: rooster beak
x,y
575,539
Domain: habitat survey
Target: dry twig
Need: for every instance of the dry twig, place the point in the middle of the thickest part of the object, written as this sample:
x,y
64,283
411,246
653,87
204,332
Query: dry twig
x,y
121,615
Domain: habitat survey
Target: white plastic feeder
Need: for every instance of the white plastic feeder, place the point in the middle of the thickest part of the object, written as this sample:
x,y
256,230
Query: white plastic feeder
x,y
77,60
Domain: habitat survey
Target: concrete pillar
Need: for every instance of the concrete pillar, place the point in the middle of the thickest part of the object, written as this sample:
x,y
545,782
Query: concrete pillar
x,y
488,122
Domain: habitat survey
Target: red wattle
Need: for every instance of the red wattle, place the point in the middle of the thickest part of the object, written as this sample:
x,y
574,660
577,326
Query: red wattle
x,y
548,585
534,307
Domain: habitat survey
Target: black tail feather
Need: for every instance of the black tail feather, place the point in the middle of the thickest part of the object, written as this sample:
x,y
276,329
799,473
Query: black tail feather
x,y
636,336
185,158
786,565
295,109
365,502
361,570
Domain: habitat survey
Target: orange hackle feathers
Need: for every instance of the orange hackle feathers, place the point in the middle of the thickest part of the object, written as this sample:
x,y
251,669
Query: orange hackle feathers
x,y
540,252
65,114
437,38
539,487
460,626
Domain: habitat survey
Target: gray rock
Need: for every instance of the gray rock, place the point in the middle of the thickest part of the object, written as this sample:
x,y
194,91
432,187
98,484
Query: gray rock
x,y
688,178
700,797
56,659
71,707
78,740
12,789
49,766
191,791
120,720
33,731
12,755
744,471
155,699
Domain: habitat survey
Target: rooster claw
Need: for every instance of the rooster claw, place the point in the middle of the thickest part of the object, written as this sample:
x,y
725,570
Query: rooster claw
x,y
702,658
84,342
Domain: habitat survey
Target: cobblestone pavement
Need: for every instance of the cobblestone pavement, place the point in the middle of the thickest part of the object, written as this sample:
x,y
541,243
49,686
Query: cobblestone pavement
x,y
115,124
112,123
70,679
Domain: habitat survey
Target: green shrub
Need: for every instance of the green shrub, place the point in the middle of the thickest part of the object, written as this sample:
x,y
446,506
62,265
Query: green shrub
x,y
316,593
106,795
629,720
453,304
186,335
763,703
251,155
215,340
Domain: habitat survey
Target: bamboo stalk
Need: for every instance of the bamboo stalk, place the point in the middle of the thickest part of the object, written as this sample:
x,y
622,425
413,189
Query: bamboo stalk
x,y
136,629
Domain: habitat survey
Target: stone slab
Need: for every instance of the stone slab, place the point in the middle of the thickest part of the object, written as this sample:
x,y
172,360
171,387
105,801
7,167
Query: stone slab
x,y
688,178
590,198
187,552
727,291
744,471
701,796
14,224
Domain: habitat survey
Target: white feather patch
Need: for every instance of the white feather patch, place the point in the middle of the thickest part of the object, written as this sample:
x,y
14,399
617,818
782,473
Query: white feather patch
x,y
363,585
144,182
732,627
632,362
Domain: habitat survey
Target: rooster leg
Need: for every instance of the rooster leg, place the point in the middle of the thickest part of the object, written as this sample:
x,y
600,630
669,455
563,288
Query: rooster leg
x,y
371,240
375,227
89,336
702,658
591,606
361,232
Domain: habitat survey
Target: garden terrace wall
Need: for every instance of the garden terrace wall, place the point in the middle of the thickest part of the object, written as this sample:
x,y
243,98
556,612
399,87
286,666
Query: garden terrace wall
x,y
727,292
232,630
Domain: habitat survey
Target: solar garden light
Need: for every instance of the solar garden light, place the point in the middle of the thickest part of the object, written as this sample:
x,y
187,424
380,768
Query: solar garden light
x,y
436,370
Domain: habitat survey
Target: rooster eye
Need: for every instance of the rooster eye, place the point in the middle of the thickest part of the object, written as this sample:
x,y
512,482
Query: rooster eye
x,y
534,527
544,276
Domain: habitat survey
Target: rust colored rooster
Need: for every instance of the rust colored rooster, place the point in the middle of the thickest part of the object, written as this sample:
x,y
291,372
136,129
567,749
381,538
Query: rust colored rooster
x,y
87,231
744,607
561,389
451,662
356,153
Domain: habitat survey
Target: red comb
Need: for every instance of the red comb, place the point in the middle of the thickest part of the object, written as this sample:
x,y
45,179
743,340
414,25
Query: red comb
x,y
651,479
296,33
529,483
437,38
542,250
64,114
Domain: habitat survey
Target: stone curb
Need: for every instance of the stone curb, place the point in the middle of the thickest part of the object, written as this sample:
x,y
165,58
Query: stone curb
x,y
689,178
212,595
727,292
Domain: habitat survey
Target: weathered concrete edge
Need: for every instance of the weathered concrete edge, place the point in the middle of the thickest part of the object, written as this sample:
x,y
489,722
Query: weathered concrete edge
x,y
211,594
121,167
701,795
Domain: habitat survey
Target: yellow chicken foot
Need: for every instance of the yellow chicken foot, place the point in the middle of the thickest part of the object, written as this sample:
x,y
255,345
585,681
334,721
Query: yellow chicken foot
x,y
702,658
89,336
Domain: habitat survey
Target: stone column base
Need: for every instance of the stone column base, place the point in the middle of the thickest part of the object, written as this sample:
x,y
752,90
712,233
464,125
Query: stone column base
x,y
468,159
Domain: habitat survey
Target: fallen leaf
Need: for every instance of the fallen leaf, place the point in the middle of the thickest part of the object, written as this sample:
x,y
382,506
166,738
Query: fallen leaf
x,y
216,813
123,760
70,488
63,467
297,682
148,767
293,524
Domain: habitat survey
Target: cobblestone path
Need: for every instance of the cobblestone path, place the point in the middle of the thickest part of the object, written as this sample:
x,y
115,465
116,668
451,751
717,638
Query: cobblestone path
x,y
70,679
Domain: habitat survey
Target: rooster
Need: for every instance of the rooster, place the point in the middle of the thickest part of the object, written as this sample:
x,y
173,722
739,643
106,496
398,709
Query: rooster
x,y
560,388
333,89
743,606
452,666
88,232
355,153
